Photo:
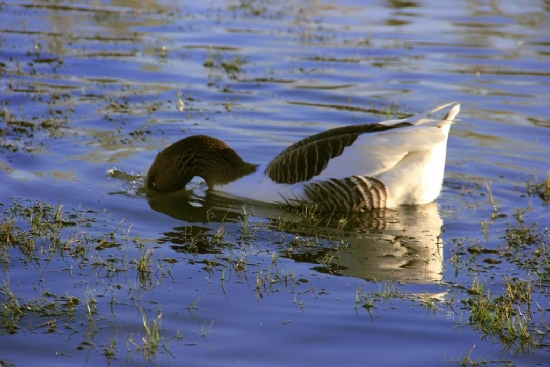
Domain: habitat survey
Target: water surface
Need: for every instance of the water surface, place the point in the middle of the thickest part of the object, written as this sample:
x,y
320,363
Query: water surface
x,y
91,91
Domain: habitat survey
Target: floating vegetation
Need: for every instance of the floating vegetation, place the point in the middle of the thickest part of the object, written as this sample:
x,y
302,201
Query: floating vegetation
x,y
48,239
509,309
540,189
507,317
231,67
20,132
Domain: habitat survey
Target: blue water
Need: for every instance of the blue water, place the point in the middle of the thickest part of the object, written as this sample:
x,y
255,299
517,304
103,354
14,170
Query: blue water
x,y
90,87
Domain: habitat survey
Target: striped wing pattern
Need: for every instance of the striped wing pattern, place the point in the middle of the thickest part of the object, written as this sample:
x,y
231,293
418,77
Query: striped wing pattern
x,y
349,194
307,158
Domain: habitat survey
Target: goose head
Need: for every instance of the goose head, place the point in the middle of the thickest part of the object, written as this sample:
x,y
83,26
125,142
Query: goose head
x,y
200,155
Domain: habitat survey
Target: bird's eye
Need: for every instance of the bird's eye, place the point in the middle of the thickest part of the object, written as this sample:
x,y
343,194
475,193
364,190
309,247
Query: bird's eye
x,y
151,183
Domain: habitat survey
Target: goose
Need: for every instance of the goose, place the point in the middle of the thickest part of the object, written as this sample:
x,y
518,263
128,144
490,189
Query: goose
x,y
344,169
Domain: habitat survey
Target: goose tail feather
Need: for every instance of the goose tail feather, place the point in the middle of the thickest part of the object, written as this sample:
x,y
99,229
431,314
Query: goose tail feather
x,y
421,119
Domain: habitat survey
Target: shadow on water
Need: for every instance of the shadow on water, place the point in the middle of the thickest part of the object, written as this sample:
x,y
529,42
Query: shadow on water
x,y
399,245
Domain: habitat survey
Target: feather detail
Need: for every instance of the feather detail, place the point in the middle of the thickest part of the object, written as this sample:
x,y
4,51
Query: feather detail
x,y
308,158
350,194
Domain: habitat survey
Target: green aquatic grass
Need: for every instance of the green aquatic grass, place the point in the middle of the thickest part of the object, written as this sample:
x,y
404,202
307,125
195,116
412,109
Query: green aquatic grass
x,y
48,238
539,188
507,316
152,339
511,310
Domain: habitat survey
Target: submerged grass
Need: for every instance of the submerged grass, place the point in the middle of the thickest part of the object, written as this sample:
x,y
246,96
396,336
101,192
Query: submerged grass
x,y
540,189
510,309
152,339
507,316
49,241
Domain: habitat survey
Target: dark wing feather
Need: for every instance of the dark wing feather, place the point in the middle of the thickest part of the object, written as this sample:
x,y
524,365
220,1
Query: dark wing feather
x,y
350,194
309,157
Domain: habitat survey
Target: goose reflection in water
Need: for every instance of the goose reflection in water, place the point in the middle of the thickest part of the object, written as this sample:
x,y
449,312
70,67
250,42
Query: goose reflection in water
x,y
396,245
409,249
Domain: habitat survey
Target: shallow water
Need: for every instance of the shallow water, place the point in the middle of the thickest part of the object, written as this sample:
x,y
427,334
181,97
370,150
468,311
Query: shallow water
x,y
91,91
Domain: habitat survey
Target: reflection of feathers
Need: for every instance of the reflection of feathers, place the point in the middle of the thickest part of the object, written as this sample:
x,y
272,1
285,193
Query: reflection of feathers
x,y
409,250
400,244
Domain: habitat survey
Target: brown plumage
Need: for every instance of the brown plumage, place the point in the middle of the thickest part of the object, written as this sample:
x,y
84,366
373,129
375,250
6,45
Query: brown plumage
x,y
198,155
354,193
